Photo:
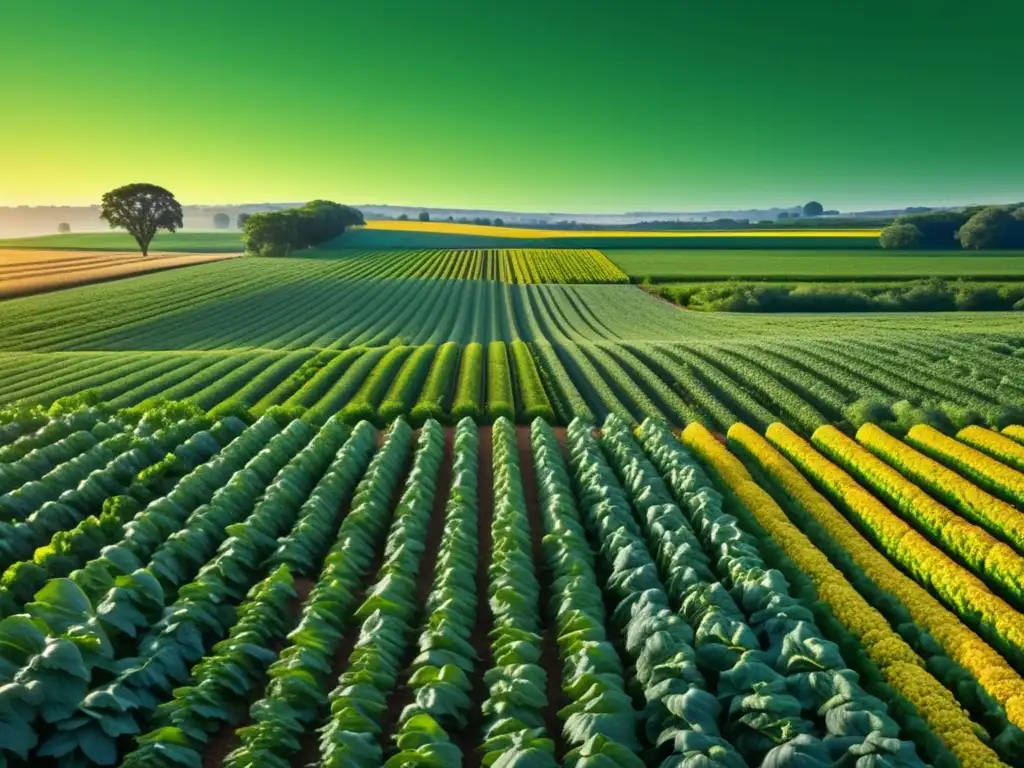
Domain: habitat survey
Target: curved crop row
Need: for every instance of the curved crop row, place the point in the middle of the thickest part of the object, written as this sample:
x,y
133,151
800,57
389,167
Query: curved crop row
x,y
55,429
360,701
516,684
592,672
999,479
364,403
1000,447
86,732
161,518
37,462
408,384
220,681
899,665
960,643
97,512
997,517
814,671
304,549
992,559
533,400
500,400
434,396
26,499
297,692
468,386
196,620
439,676
681,715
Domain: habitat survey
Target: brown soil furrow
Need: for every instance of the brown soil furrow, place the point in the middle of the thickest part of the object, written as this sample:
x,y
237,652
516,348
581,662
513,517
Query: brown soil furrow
x,y
402,695
550,659
225,740
309,753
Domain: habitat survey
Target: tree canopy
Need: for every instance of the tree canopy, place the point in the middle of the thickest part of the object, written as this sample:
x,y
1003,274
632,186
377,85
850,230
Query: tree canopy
x,y
221,221
280,233
813,208
424,216
242,218
992,228
63,228
900,237
143,210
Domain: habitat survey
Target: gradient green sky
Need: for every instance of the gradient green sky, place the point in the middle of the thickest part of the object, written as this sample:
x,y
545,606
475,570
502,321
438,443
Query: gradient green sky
x,y
534,105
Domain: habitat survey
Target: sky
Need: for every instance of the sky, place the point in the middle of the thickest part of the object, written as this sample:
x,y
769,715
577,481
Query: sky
x,y
537,105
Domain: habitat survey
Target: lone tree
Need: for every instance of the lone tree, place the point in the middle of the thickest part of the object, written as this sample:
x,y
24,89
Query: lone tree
x,y
242,218
813,208
143,210
64,228
424,216
221,221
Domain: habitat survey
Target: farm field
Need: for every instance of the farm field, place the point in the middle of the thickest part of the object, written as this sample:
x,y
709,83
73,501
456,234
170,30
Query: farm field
x,y
189,242
417,234
181,589
35,271
667,264
393,332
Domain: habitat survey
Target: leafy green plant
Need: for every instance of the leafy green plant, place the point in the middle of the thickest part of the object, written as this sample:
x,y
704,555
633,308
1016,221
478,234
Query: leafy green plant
x,y
469,385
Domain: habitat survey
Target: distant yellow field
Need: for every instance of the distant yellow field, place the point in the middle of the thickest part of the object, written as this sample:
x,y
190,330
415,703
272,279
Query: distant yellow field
x,y
451,228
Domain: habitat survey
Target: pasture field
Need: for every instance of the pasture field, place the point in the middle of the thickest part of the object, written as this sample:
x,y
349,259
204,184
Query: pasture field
x,y
188,242
668,264
36,271
185,589
445,235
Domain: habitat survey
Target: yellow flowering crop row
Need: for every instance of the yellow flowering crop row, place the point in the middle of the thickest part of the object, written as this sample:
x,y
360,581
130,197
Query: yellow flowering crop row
x,y
900,666
1005,482
1014,432
984,553
962,645
997,446
997,517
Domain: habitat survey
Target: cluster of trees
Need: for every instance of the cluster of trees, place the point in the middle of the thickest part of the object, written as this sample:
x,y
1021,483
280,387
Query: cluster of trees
x,y
976,228
280,233
930,295
810,210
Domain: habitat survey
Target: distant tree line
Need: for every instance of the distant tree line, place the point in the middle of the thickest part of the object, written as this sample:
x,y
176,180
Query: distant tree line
x,y
281,233
928,295
975,228
481,220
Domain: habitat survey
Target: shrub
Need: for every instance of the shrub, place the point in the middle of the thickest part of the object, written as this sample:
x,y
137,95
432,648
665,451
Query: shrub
x,y
533,400
468,385
500,400
434,397
900,237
